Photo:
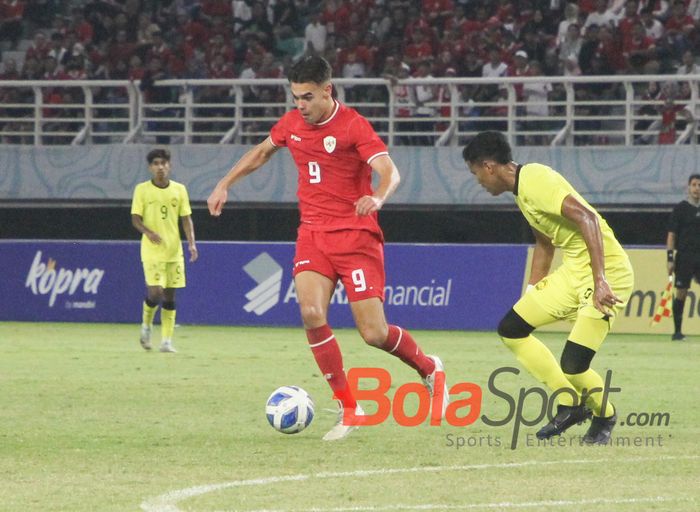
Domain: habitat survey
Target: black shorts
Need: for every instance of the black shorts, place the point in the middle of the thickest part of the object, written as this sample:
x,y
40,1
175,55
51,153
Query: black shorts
x,y
687,267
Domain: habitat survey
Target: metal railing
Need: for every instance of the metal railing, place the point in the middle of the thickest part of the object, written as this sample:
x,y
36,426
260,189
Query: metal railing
x,y
591,110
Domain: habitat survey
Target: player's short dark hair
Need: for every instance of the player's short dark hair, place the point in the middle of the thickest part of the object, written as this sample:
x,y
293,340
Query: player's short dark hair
x,y
488,145
693,177
312,69
158,153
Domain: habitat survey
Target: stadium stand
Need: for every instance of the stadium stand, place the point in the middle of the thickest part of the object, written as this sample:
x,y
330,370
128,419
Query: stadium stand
x,y
131,46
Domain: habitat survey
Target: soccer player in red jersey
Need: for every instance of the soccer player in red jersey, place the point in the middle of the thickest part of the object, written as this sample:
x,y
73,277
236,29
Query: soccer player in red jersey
x,y
335,150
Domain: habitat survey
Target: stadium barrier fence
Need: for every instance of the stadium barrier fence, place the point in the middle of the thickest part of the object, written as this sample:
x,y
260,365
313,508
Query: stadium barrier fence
x,y
542,110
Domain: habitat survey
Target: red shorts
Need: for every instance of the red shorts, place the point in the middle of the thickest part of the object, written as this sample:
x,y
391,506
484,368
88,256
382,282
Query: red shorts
x,y
355,256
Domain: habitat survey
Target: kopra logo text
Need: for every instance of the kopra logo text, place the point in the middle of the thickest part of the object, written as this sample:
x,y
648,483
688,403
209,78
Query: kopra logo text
x,y
48,279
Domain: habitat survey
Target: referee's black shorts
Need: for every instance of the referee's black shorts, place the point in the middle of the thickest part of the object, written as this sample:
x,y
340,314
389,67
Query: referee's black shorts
x,y
687,267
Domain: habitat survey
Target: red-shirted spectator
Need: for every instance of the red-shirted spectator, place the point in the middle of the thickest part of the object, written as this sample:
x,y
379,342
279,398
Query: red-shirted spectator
x,y
354,50
121,49
444,97
519,67
213,8
462,22
680,22
437,11
453,42
185,49
418,22
505,10
193,29
219,26
625,24
177,62
638,45
39,48
219,68
82,27
669,116
217,45
418,50
75,70
11,12
270,68
586,6
159,49
255,49
136,69
335,16
610,50
444,61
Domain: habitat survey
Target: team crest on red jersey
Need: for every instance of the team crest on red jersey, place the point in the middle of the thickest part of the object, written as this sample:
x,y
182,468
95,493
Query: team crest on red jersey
x,y
329,143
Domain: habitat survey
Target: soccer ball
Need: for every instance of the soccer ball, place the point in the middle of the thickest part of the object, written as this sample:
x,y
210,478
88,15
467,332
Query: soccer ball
x,y
289,409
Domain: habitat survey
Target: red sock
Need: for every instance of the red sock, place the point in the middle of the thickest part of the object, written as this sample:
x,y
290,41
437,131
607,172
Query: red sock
x,y
401,344
330,361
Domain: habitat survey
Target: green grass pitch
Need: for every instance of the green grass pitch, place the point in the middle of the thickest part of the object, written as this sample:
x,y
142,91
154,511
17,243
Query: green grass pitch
x,y
91,422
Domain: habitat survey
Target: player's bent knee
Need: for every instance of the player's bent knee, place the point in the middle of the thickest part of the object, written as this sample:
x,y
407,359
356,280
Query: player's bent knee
x,y
374,336
312,314
576,358
513,326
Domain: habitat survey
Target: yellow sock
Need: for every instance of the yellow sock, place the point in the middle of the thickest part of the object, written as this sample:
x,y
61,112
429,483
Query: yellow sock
x,y
148,314
167,323
540,362
590,380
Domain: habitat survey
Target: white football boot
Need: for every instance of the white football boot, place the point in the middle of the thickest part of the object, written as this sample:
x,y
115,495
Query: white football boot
x,y
341,430
167,346
429,382
146,337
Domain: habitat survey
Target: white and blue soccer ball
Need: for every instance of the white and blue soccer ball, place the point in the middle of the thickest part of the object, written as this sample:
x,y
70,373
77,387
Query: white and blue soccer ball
x,y
289,409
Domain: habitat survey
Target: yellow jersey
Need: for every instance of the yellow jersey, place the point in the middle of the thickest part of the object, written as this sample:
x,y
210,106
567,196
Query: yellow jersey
x,y
539,193
161,209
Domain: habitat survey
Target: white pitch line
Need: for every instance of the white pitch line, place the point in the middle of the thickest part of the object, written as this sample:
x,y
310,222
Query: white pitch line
x,y
168,502
476,506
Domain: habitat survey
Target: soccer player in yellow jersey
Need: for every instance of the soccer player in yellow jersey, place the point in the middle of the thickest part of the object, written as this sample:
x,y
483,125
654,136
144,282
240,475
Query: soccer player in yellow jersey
x,y
590,287
157,206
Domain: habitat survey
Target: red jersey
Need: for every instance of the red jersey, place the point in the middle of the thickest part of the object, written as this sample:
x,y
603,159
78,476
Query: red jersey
x,y
333,159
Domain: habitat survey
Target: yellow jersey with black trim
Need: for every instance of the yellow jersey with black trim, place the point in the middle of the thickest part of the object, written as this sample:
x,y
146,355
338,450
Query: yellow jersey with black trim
x,y
161,209
539,193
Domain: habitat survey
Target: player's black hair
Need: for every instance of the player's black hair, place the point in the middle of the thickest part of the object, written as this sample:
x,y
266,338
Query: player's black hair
x,y
488,145
312,69
693,177
158,153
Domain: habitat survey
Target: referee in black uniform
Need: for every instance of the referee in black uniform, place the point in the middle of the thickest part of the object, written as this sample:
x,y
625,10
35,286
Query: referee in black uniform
x,y
684,237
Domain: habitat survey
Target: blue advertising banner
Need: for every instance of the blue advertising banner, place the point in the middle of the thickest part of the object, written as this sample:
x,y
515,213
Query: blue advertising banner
x,y
232,283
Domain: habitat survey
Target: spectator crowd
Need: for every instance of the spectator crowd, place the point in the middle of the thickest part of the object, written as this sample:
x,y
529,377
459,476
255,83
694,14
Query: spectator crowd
x,y
149,40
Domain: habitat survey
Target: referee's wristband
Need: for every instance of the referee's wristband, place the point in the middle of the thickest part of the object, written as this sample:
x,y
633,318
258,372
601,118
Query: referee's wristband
x,y
669,255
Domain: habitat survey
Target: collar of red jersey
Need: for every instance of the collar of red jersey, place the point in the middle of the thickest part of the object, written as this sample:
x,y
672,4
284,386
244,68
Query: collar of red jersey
x,y
335,111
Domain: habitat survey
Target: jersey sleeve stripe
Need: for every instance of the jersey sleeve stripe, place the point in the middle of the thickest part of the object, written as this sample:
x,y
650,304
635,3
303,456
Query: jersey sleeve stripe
x,y
369,160
271,142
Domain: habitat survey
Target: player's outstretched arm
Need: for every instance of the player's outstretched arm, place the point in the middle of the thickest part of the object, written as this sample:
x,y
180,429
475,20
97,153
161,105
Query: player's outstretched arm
x,y
251,161
587,222
389,179
188,228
